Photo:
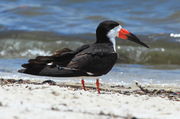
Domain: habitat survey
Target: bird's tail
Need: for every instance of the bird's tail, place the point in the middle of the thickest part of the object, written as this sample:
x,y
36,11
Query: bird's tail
x,y
34,66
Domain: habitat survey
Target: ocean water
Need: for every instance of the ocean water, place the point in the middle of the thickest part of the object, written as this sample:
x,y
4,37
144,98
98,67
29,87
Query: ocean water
x,y
39,27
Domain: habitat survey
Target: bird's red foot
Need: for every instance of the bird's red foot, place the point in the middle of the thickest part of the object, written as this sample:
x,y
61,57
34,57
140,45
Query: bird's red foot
x,y
98,86
83,84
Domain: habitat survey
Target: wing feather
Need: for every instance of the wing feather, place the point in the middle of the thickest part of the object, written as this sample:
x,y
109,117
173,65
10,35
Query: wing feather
x,y
60,58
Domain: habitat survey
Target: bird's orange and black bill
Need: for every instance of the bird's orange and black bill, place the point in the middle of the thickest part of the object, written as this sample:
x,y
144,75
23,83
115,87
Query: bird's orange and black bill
x,y
126,35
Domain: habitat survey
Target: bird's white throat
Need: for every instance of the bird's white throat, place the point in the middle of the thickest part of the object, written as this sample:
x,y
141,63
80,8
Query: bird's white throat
x,y
112,34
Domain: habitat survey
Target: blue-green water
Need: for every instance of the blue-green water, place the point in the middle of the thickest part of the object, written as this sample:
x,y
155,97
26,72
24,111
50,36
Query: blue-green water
x,y
120,74
39,27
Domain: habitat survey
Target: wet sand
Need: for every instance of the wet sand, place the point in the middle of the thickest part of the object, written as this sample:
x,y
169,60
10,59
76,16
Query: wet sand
x,y
24,99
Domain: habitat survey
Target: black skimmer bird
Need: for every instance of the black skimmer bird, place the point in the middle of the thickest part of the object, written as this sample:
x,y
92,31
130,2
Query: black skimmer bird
x,y
89,60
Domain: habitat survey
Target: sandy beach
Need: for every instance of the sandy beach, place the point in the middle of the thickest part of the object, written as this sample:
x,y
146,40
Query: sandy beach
x,y
21,99
48,46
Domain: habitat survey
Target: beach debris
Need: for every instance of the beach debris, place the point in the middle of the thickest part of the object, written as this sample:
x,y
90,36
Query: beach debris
x,y
170,94
50,82
11,81
160,92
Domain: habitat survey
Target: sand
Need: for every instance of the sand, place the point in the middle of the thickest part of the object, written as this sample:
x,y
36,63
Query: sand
x,y
25,100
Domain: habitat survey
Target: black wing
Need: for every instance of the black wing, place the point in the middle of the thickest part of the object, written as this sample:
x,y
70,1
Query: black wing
x,y
93,61
83,64
59,59
93,64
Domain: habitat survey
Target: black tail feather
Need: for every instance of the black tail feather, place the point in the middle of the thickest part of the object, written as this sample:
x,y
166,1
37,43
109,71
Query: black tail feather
x,y
60,57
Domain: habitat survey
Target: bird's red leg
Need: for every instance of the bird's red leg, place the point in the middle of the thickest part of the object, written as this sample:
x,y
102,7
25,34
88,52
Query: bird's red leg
x,y
98,86
83,84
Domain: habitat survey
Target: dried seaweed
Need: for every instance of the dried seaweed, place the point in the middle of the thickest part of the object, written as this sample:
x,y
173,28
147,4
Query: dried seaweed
x,y
172,95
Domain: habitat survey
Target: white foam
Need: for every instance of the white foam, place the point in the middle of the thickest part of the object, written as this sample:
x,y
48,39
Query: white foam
x,y
35,52
174,35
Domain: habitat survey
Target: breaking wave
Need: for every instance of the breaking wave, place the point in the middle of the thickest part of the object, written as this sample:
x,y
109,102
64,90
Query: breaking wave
x,y
164,48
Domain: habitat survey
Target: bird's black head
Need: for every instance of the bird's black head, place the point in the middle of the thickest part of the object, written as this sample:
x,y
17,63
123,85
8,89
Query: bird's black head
x,y
107,31
103,29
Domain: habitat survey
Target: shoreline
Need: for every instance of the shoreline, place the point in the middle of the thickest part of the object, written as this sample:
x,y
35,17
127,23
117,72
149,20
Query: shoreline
x,y
48,99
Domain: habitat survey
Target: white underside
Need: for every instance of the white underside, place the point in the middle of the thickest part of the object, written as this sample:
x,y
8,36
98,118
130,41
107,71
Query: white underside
x,y
112,34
